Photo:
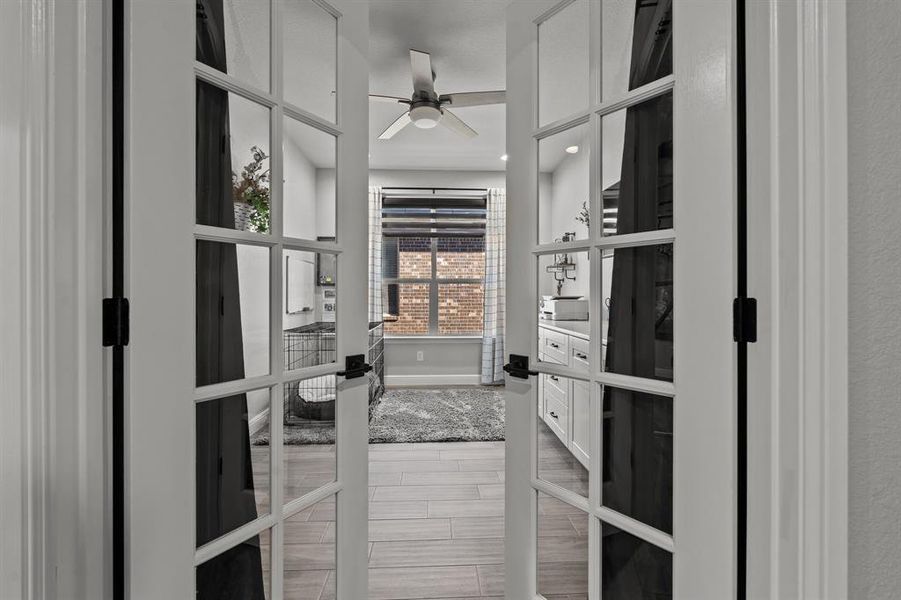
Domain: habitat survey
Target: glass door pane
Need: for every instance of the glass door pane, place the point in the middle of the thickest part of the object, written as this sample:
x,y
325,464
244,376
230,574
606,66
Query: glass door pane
x,y
563,56
562,549
637,43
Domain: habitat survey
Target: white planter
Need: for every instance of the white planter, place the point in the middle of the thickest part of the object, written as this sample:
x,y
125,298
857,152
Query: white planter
x,y
242,216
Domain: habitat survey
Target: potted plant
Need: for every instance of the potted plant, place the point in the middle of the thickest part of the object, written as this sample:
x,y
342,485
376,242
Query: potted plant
x,y
250,192
584,216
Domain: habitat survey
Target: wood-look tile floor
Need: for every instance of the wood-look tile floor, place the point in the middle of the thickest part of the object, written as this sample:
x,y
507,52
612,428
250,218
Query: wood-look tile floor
x,y
436,522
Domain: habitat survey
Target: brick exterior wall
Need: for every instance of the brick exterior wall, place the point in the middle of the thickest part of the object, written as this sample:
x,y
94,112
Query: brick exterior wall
x,y
460,308
414,258
460,258
413,310
460,305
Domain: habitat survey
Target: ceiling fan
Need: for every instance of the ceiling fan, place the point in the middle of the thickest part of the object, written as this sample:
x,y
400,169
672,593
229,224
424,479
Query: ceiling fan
x,y
427,109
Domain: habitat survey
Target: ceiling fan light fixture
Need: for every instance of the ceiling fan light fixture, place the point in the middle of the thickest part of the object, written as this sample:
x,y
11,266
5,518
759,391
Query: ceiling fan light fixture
x,y
425,117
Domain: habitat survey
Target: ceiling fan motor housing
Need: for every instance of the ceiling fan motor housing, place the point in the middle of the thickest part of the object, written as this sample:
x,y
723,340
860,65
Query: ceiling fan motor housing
x,y
425,114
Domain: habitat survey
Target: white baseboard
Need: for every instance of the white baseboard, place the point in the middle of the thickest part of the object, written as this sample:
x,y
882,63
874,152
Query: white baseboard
x,y
258,421
423,380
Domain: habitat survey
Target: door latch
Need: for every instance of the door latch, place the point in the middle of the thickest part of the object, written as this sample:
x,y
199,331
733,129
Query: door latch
x,y
355,366
519,367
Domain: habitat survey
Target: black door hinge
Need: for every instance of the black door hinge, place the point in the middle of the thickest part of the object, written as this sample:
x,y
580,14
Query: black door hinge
x,y
115,322
744,320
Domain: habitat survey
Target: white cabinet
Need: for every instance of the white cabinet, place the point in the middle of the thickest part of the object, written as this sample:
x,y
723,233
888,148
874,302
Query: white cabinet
x,y
580,429
541,390
563,403
556,411
555,347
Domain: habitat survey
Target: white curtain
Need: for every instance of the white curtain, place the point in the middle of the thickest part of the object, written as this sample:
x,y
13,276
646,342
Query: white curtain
x,y
495,287
375,254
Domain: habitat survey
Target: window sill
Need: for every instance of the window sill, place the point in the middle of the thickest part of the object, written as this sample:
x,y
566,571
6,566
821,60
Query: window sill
x,y
442,339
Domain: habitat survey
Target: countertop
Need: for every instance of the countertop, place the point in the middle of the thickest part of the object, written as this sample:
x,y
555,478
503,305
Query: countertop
x,y
579,329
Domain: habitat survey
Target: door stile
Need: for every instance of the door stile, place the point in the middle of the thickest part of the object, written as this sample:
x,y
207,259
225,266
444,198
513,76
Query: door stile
x,y
352,409
521,421
158,481
276,337
704,459
595,309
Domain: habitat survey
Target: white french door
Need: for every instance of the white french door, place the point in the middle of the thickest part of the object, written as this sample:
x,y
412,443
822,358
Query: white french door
x,y
246,191
621,453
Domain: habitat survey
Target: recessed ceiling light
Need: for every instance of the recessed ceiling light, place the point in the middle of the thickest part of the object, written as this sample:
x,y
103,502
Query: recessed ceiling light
x,y
504,157
572,149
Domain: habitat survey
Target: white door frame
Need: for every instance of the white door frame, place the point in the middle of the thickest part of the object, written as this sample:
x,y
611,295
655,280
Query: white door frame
x,y
29,549
797,269
54,434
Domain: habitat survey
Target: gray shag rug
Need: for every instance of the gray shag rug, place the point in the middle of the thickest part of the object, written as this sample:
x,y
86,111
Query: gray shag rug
x,y
470,414
473,414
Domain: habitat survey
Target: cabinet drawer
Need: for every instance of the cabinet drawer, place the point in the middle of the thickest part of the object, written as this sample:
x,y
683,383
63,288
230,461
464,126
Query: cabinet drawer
x,y
556,416
554,346
556,384
578,350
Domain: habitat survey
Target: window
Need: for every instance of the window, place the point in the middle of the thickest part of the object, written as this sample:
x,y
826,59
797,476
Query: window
x,y
433,261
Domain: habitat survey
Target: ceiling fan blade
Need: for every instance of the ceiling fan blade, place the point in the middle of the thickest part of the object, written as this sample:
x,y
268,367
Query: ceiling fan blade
x,y
383,98
421,68
401,122
453,122
473,98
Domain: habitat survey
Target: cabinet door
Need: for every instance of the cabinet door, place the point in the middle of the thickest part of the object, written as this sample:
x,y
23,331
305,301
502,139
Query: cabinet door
x,y
541,394
580,420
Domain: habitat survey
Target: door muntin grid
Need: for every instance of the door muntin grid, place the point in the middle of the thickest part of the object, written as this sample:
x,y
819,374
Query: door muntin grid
x,y
648,87
258,190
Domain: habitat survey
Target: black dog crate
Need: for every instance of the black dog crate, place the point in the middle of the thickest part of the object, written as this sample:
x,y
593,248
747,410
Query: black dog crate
x,y
313,399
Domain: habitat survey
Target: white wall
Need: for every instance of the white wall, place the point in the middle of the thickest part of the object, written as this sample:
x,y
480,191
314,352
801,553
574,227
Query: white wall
x,y
253,285
444,362
561,194
874,270
300,205
325,202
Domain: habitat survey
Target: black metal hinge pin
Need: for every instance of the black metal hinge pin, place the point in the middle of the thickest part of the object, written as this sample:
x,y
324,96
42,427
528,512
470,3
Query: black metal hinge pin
x,y
744,320
115,322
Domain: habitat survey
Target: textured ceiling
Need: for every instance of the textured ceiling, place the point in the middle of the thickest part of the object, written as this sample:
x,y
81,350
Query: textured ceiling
x,y
466,39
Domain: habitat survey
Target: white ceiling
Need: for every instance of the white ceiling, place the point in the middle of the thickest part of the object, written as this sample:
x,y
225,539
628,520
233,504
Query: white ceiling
x,y
467,41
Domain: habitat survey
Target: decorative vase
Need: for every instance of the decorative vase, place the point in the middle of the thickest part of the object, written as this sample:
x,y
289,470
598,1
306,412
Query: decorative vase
x,y
242,216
